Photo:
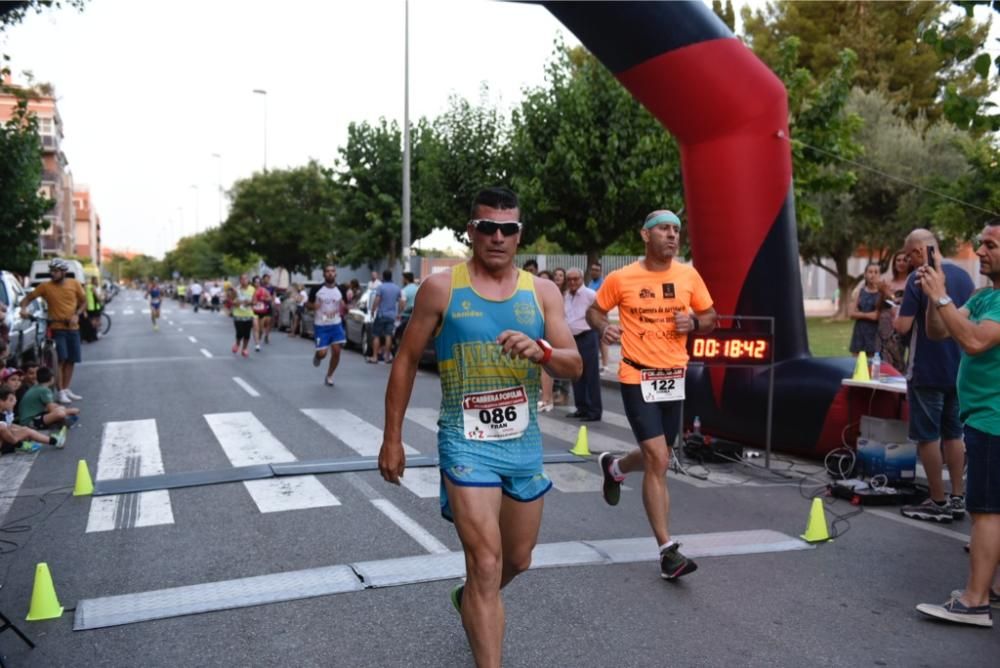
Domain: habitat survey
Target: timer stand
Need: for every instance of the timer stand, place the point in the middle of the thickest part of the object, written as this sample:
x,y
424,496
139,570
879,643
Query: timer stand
x,y
739,346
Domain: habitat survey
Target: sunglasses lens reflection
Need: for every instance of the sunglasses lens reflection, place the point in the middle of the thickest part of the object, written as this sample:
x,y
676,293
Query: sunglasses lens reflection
x,y
490,227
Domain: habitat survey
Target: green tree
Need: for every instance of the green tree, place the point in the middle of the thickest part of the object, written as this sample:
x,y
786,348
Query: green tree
x,y
370,176
468,149
975,195
140,268
883,205
588,161
196,256
284,216
727,14
912,50
21,207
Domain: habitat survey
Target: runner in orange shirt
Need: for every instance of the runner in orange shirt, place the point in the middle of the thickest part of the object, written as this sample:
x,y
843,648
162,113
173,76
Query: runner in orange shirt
x,y
655,299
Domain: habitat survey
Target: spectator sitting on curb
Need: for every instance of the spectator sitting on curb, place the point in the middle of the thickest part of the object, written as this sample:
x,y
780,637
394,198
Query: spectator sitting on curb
x,y
39,408
14,437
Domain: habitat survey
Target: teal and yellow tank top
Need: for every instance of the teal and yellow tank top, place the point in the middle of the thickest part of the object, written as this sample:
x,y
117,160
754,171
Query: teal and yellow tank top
x,y
488,400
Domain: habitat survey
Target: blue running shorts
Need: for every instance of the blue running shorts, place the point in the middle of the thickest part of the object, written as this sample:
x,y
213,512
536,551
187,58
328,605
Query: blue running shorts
x,y
327,335
522,488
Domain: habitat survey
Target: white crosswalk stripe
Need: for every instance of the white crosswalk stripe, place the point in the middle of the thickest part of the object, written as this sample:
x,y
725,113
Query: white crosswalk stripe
x,y
246,441
129,449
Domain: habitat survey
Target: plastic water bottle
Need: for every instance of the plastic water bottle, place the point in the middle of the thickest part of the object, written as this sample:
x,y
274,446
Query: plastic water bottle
x,y
696,425
876,373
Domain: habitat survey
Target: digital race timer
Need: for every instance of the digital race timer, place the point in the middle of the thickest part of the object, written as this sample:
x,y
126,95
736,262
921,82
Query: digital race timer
x,y
730,346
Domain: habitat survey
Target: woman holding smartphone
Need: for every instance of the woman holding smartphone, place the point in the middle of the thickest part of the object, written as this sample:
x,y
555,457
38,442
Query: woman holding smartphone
x,y
891,344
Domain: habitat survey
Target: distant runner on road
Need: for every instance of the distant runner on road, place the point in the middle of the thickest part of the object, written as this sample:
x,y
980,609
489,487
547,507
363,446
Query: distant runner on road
x,y
155,298
243,315
493,324
326,302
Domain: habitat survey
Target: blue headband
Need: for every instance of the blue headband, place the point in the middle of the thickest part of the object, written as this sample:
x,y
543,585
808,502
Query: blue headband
x,y
665,217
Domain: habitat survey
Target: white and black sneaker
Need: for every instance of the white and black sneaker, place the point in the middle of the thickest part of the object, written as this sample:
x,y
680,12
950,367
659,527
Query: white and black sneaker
x,y
957,505
929,511
956,611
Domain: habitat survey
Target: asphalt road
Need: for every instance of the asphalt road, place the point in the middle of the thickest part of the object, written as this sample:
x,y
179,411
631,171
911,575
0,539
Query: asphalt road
x,y
161,400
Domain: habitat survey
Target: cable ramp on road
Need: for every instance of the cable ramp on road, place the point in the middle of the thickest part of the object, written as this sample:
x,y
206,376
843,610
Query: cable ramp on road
x,y
108,611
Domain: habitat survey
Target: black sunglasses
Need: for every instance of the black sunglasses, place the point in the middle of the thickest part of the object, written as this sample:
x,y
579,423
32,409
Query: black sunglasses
x,y
490,227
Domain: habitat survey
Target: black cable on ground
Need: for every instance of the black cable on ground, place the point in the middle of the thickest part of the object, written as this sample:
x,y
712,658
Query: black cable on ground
x,y
20,525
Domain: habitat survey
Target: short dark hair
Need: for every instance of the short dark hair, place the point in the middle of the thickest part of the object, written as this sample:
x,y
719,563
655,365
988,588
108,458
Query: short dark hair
x,y
530,262
27,366
994,222
44,375
497,197
408,276
387,274
5,392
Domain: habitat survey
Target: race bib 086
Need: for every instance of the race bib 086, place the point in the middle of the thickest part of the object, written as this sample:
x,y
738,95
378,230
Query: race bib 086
x,y
496,415
662,385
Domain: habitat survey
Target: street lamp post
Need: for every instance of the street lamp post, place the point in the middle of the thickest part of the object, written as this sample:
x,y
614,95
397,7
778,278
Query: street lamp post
x,y
219,157
263,93
406,140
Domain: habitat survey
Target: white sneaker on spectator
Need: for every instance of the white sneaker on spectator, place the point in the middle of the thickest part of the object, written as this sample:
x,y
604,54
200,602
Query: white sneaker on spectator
x,y
73,395
64,398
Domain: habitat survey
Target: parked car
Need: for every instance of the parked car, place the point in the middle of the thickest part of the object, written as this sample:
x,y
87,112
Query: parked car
x,y
358,327
308,326
358,323
40,272
22,332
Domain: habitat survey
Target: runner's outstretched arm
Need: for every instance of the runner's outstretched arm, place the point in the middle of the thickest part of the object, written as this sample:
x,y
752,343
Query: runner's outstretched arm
x,y
430,304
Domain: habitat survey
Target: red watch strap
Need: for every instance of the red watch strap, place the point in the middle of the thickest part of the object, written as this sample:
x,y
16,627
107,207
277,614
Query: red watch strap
x,y
546,351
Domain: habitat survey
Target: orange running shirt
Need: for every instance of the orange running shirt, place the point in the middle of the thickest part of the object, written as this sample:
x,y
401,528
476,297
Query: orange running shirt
x,y
647,301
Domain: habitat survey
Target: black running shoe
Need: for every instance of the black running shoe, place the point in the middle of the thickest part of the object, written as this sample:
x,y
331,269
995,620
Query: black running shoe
x,y
612,490
673,564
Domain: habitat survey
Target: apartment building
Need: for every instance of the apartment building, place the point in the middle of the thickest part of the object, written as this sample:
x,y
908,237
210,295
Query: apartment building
x,y
57,181
88,226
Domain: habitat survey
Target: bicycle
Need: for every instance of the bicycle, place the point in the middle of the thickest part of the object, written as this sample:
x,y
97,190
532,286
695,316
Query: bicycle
x,y
105,324
45,344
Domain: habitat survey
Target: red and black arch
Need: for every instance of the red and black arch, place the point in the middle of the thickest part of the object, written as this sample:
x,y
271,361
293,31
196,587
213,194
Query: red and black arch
x,y
729,114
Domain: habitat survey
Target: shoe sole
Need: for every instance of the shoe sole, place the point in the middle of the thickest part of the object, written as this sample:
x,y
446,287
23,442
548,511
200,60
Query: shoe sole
x,y
937,612
688,567
940,519
611,490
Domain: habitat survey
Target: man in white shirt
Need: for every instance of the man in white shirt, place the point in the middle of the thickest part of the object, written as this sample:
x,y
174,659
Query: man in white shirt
x,y
196,295
586,390
326,300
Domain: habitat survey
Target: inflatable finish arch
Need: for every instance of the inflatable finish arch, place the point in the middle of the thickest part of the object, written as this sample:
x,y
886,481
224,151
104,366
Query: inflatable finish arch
x,y
729,114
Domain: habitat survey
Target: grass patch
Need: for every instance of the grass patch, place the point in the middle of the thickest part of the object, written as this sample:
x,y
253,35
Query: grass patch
x,y
829,338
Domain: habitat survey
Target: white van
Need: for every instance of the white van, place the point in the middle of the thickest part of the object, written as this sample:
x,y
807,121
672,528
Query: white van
x,y
40,272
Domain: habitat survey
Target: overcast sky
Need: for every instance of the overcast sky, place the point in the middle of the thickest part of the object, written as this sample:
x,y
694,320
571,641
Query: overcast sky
x,y
148,91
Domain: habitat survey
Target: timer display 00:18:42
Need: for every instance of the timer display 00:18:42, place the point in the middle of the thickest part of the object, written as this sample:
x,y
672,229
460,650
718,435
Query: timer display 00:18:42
x,y
723,346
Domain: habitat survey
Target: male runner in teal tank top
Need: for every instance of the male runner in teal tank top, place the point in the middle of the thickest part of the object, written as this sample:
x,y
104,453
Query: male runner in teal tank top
x,y
495,328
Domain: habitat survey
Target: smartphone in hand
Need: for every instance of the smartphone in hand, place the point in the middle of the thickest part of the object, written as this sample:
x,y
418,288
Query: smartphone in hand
x,y
931,260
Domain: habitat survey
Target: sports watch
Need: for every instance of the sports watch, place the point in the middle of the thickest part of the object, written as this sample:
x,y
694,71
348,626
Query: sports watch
x,y
943,301
546,351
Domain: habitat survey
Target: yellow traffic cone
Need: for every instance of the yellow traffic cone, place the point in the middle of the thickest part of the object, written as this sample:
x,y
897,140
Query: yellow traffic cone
x,y
581,449
44,604
84,486
861,367
817,530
